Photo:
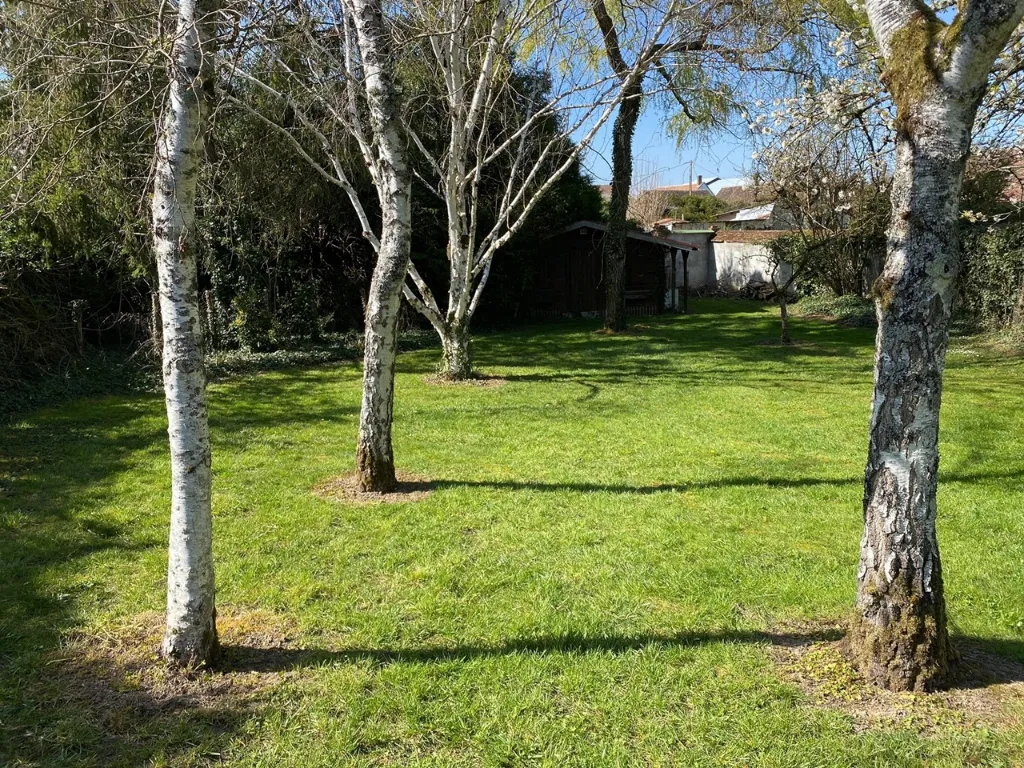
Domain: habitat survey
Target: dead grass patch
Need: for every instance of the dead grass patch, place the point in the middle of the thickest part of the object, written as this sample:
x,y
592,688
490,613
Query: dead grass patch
x,y
346,488
989,691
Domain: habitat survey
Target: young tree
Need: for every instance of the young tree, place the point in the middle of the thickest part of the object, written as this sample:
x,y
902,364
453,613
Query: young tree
x,y
74,72
511,116
331,67
937,74
829,185
787,258
191,635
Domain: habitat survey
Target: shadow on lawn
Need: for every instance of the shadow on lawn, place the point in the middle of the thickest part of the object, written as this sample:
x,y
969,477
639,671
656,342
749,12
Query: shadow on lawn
x,y
63,503
986,661
752,481
245,659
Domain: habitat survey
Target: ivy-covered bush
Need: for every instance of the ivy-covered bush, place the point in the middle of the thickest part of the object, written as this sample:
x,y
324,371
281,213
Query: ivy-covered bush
x,y
253,325
992,281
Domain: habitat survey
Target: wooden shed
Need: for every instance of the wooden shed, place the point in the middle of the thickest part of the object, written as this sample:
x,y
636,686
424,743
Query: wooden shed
x,y
569,277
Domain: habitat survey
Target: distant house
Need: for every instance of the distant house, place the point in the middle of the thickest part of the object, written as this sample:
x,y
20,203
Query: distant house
x,y
759,217
654,204
569,278
1010,163
699,187
741,257
729,260
737,196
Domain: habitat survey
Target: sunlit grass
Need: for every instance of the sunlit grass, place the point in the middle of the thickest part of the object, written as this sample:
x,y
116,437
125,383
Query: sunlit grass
x,y
611,531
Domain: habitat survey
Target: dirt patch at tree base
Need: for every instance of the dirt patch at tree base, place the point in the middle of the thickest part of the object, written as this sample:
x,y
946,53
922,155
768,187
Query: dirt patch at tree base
x,y
988,691
120,676
477,380
346,488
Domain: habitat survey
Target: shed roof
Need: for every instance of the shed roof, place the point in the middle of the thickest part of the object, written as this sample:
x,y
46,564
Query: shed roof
x,y
667,242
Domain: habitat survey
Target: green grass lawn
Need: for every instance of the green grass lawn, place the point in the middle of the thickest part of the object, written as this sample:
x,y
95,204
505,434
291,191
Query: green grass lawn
x,y
612,534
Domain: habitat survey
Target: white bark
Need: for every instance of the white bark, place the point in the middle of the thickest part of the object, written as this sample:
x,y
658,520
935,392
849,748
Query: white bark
x,y
349,84
475,83
190,636
899,636
374,456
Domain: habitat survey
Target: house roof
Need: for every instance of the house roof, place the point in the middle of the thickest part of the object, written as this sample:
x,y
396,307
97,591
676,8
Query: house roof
x,y
665,241
739,195
694,188
757,213
750,235
605,190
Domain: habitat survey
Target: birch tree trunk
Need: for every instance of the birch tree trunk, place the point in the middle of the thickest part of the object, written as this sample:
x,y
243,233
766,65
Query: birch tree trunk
x,y
899,637
375,461
191,635
615,237
456,363
155,323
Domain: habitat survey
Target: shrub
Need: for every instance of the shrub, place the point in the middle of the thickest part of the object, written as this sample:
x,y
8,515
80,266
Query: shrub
x,y
852,311
992,282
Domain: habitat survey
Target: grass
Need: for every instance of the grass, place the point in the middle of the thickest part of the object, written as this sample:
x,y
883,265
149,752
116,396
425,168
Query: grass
x,y
614,534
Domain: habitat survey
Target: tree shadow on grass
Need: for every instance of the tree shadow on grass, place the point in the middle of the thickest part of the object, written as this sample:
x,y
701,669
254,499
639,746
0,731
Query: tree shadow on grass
x,y
245,659
985,661
64,506
97,709
752,481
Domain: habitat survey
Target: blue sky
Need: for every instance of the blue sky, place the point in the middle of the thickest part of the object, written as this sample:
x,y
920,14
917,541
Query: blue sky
x,y
655,154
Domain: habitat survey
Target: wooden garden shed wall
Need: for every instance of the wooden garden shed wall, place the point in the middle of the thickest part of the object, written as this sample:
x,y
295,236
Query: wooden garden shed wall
x,y
569,277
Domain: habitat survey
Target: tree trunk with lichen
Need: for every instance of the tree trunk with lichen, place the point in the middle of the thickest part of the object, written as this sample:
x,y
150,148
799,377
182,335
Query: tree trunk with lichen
x,y
937,75
375,463
615,238
899,638
456,363
191,635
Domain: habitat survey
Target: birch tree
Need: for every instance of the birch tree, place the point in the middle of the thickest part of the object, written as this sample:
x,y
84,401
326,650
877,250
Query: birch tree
x,y
74,70
191,635
331,69
937,74
387,159
498,128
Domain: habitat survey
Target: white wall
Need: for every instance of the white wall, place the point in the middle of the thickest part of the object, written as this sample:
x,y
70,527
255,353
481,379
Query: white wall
x,y
738,264
731,266
698,265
